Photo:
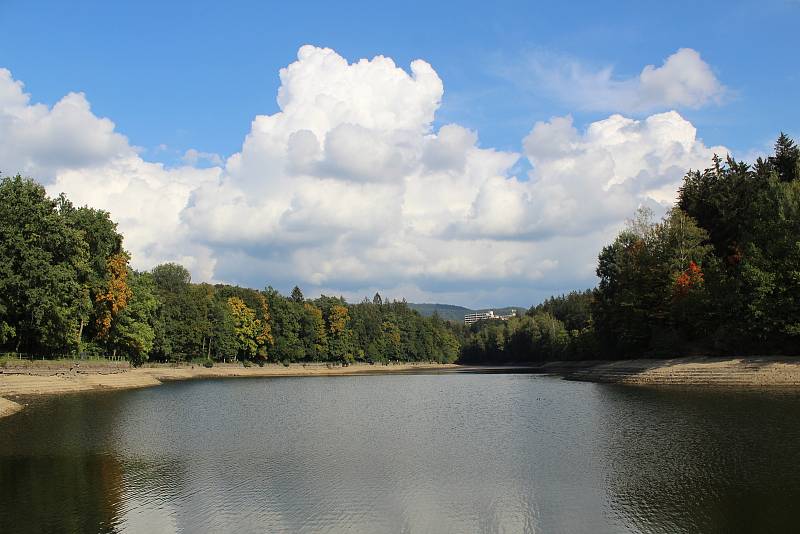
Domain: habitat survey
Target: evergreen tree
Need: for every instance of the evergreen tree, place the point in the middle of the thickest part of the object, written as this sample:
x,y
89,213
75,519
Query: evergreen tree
x,y
297,295
786,160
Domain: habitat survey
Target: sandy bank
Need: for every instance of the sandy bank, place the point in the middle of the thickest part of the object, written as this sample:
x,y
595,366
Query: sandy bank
x,y
753,372
52,379
8,407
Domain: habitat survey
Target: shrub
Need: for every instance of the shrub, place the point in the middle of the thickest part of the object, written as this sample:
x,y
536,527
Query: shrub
x,y
208,364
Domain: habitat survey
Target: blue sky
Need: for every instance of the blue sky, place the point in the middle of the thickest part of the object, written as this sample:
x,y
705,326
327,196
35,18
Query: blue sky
x,y
174,76
152,65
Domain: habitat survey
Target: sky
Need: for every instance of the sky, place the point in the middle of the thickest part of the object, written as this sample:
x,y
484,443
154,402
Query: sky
x,y
471,153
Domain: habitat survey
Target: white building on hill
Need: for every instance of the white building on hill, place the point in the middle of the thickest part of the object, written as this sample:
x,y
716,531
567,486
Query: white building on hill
x,y
480,316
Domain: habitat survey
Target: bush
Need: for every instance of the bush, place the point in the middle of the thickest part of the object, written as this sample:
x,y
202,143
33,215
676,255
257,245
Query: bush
x,y
208,364
247,363
285,363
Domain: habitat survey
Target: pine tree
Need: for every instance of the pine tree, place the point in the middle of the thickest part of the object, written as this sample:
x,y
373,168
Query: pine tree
x,y
297,295
786,160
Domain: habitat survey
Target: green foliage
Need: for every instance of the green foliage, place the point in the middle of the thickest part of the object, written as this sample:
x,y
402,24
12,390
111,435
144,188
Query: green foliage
x,y
104,282
786,161
171,277
642,291
179,317
222,343
574,309
297,295
531,338
133,334
753,217
44,261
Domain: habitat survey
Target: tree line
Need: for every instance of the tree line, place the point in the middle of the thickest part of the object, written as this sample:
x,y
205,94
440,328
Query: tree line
x,y
718,274
67,289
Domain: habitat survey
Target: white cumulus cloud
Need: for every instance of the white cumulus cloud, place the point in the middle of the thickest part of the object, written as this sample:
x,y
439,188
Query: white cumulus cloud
x,y
38,140
348,187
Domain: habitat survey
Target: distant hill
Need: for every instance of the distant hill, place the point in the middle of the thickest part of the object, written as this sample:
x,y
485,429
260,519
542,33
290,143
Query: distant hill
x,y
451,312
448,312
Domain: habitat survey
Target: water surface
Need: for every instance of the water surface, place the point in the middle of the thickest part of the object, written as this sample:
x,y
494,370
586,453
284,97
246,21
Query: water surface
x,y
402,453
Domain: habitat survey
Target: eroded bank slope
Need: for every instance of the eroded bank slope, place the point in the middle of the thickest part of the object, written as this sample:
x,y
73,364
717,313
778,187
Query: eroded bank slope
x,y
751,372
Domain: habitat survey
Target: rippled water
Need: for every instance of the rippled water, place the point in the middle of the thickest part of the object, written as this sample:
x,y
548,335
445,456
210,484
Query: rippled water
x,y
402,453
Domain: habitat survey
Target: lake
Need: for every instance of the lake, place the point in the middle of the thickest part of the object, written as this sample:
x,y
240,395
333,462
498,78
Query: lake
x,y
437,453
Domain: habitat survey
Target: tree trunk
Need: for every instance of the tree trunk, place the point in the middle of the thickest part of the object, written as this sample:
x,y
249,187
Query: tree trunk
x,y
80,340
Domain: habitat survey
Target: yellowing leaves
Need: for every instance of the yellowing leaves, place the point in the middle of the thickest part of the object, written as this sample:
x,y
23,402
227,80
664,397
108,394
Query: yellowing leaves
x,y
114,297
252,334
337,319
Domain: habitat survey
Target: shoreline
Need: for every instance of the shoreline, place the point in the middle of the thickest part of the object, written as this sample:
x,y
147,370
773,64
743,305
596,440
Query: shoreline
x,y
54,378
701,371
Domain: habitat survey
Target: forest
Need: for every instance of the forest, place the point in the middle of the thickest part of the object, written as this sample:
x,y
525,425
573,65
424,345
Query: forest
x,y
718,274
67,289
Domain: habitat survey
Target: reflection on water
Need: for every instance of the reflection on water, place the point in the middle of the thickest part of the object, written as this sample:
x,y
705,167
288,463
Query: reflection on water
x,y
85,497
49,482
411,453
689,461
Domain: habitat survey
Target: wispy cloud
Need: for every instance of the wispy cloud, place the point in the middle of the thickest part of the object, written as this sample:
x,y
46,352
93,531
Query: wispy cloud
x,y
194,157
684,80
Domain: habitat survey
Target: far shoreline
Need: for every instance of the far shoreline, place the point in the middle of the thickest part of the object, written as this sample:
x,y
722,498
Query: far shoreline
x,y
41,378
53,378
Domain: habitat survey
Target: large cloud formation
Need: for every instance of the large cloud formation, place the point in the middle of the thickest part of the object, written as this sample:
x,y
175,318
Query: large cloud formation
x,y
349,189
